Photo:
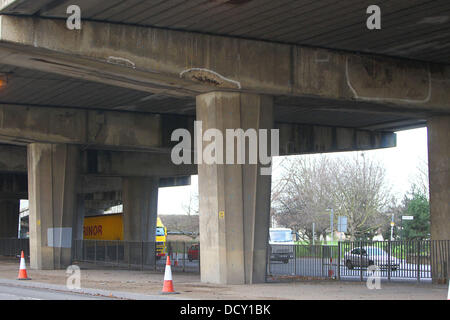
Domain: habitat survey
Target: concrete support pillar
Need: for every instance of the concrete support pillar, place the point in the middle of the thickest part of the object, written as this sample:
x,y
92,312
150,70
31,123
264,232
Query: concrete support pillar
x,y
9,218
234,198
79,218
140,212
52,185
439,175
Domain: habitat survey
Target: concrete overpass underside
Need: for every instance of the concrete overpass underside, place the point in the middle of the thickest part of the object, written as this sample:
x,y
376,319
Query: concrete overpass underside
x,y
82,111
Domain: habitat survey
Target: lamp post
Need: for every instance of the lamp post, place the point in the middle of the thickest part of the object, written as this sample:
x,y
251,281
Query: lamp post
x,y
331,222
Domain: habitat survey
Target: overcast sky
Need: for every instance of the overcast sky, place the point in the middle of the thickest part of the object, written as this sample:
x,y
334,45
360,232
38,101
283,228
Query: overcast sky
x,y
401,165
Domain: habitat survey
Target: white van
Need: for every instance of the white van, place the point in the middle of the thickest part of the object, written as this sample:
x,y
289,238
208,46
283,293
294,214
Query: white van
x,y
281,244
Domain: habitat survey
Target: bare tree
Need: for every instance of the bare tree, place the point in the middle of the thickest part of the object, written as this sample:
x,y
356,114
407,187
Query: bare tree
x,y
420,179
191,207
354,187
360,192
303,196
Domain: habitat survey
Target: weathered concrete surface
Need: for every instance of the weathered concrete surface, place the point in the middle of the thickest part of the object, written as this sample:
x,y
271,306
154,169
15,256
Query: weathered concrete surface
x,y
439,175
140,207
9,218
89,127
137,164
140,212
52,180
110,129
234,199
23,6
183,63
303,139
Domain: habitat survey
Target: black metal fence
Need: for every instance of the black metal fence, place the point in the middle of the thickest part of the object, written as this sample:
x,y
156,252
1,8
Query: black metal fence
x,y
12,247
139,255
357,260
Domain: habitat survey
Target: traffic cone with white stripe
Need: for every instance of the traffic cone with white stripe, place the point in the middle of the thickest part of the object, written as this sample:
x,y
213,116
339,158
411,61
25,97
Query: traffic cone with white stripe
x,y
168,284
22,269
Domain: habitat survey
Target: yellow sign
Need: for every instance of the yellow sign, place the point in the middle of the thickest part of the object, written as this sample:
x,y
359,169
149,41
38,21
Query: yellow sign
x,y
392,224
221,214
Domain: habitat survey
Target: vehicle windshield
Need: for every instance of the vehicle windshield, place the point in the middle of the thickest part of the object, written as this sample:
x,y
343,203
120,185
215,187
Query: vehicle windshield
x,y
374,252
281,235
160,231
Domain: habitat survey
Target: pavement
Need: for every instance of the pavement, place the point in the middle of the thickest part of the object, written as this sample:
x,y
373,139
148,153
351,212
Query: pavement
x,y
106,283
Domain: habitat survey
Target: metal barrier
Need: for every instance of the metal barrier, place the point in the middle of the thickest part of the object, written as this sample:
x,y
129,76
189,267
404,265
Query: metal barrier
x,y
138,255
12,247
419,260
393,260
305,261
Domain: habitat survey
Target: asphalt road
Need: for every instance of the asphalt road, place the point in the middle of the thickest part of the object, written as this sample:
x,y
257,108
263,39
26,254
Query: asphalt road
x,y
8,292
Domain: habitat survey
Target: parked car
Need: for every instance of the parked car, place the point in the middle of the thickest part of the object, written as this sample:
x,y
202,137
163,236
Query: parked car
x,y
367,256
194,252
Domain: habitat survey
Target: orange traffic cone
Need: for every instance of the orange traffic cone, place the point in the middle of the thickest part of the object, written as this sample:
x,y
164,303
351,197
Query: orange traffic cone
x,y
168,284
22,269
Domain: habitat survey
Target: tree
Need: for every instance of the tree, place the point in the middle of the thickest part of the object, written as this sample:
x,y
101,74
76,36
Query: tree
x,y
192,206
301,197
354,187
417,205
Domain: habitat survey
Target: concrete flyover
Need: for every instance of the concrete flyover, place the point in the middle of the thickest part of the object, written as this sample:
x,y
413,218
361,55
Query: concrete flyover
x,y
101,103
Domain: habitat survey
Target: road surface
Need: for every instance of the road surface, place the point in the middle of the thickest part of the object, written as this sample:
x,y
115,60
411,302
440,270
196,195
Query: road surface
x,y
10,292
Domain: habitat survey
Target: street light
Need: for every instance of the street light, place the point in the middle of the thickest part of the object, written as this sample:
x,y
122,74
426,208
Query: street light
x,y
331,222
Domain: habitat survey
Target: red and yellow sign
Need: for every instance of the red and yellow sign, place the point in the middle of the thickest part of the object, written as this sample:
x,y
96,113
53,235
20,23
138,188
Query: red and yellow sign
x,y
106,227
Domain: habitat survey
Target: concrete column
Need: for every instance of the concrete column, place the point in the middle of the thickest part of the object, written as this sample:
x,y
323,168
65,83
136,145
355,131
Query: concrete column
x,y
9,218
234,198
52,182
140,212
439,176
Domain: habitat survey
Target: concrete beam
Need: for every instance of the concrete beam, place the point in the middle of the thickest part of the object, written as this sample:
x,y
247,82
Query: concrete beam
x,y
133,164
184,63
304,139
111,129
89,127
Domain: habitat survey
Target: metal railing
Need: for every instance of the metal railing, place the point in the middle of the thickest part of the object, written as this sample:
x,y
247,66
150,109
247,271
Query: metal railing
x,y
138,255
395,260
419,260
12,247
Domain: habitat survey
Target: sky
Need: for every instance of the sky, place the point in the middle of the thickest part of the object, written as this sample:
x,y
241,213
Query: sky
x,y
401,163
